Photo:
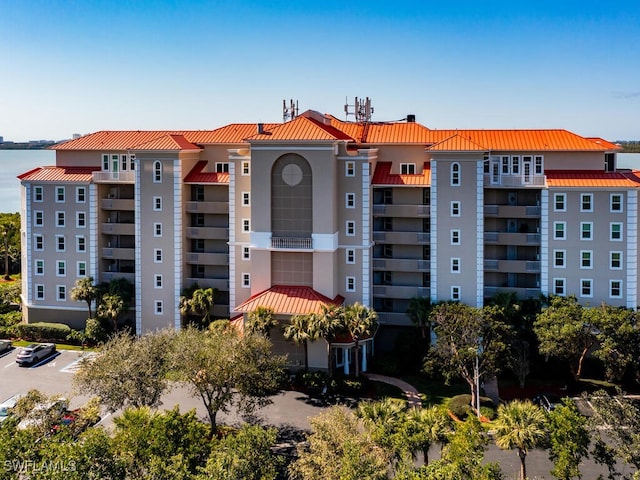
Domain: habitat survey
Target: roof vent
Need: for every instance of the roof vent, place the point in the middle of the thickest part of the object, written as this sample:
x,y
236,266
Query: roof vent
x,y
260,128
411,118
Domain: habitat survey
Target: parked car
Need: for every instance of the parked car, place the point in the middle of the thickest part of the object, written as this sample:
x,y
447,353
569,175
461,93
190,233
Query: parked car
x,y
51,411
7,405
34,353
5,346
547,401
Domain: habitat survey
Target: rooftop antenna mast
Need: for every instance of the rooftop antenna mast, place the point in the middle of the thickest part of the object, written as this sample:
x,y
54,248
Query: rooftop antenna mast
x,y
362,109
289,112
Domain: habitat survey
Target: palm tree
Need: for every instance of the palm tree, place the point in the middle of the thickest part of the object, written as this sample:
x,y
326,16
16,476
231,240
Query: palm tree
x,y
261,321
327,324
299,331
419,311
428,426
359,321
197,301
520,425
85,291
110,308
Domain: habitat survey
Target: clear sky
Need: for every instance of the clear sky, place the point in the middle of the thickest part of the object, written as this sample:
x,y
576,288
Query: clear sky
x,y
80,66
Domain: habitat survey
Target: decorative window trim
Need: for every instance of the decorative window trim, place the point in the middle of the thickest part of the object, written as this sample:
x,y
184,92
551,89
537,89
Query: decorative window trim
x,y
246,225
582,258
619,203
246,280
563,282
81,244
350,169
157,171
619,288
589,230
456,293
81,269
246,199
350,228
560,198
39,288
561,255
61,293
81,219
245,168
61,242
38,218
158,307
588,196
157,281
157,229
455,174
81,194
350,256
456,208
350,200
61,219
556,230
586,295
38,243
38,267
408,169
38,193
157,255
350,284
455,236
60,194
620,260
620,233
455,265
157,204
246,253
61,268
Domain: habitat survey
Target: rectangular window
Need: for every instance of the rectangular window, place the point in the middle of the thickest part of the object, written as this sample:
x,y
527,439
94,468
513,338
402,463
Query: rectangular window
x,y
455,209
132,162
159,307
351,284
157,255
505,165
426,196
585,287
515,165
586,229
246,253
246,280
246,225
38,194
81,269
81,194
538,168
59,219
559,230
455,293
38,242
105,163
407,168
350,255
39,292
157,172
585,258
615,288
38,218
246,199
157,229
560,202
350,169
615,260
60,243
124,163
616,232
62,293
81,219
81,244
387,250
246,169
59,194
158,281
558,286
559,258
39,267
455,174
586,202
222,167
198,193
455,265
351,228
616,202
157,204
455,237
350,200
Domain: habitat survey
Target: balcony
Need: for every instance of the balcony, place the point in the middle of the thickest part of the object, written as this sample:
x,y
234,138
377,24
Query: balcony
x,y
221,284
118,253
521,292
208,207
198,258
208,233
404,238
117,204
113,177
510,181
292,243
508,238
396,319
512,266
393,210
108,276
118,228
400,291
401,264
512,211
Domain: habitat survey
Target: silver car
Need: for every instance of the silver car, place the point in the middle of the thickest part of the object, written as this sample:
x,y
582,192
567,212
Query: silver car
x,y
34,353
5,346
7,405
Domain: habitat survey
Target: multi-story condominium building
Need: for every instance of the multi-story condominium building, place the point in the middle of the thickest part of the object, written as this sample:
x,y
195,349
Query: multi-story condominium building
x,y
317,210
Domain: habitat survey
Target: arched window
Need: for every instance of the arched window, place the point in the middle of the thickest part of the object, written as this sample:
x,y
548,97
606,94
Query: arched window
x,y
157,172
455,174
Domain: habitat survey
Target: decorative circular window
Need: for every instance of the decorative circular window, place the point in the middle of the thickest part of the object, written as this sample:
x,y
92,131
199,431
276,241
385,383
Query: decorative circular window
x,y
292,174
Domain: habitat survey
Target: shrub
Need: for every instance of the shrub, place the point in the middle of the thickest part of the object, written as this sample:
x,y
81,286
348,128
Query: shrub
x,y
95,332
313,382
487,412
41,331
460,405
10,318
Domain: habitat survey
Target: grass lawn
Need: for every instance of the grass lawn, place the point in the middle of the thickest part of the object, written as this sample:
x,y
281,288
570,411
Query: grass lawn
x,y
59,346
435,392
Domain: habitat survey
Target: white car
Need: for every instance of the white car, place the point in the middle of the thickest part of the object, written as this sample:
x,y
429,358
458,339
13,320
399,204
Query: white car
x,y
5,346
34,353
7,405
52,411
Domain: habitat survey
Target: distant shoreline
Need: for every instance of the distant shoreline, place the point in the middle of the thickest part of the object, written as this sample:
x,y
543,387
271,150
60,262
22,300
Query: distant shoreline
x,y
26,145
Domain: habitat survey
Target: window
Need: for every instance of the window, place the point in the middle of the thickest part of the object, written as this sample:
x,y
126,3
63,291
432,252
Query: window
x,y
198,193
81,269
351,284
105,163
426,196
455,293
616,202
615,260
246,170
246,199
558,286
59,194
350,169
157,172
559,258
350,255
222,167
246,280
585,287
157,255
615,288
38,218
505,165
159,307
157,229
586,229
81,219
455,209
407,168
387,250
81,194
515,165
585,258
350,200
59,219
39,292
586,202
559,229
157,204
455,174
246,225
39,267
351,228
81,244
38,195
455,237
60,243
198,219
616,232
157,281
62,293
38,242
560,202
132,162
455,265
538,165
246,253
125,162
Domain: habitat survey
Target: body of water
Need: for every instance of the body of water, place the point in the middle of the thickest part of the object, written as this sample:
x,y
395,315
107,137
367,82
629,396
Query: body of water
x,y
15,162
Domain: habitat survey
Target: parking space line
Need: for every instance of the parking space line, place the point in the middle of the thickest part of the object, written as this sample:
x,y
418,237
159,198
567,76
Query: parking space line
x,y
73,366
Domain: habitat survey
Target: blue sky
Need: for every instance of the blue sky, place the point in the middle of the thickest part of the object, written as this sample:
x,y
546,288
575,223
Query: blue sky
x,y
81,66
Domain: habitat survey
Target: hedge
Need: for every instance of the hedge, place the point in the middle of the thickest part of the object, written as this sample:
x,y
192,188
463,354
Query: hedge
x,y
41,331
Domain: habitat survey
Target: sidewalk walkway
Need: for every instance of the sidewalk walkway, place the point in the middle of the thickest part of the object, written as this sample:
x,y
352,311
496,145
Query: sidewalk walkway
x,y
413,397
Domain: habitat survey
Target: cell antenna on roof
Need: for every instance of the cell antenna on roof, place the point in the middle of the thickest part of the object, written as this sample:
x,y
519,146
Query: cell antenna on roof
x,y
362,109
290,112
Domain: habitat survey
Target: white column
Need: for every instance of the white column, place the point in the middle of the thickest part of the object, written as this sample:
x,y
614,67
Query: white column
x,y
364,357
345,359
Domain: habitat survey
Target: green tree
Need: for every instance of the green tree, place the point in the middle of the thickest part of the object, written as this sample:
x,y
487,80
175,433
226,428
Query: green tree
x,y
128,371
569,440
425,427
299,331
196,301
10,233
361,322
225,369
111,307
339,449
85,291
261,321
520,425
384,420
419,311
327,324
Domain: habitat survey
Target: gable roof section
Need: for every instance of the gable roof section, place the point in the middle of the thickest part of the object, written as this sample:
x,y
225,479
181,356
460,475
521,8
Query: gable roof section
x,y
383,176
301,128
170,142
457,143
592,179
59,174
197,175
288,300
384,132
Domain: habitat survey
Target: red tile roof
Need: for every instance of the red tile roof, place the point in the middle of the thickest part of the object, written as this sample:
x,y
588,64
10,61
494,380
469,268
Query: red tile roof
x,y
456,143
592,178
288,300
196,175
301,128
59,174
383,176
170,142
